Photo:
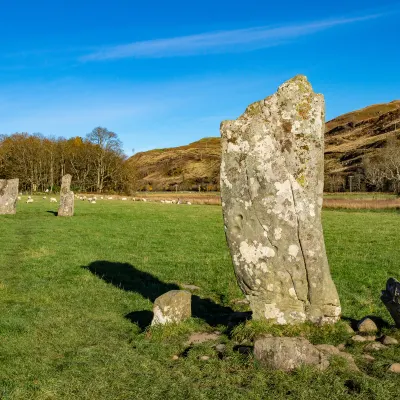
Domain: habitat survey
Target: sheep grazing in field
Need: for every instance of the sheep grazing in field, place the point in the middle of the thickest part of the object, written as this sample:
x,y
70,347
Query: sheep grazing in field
x,y
109,198
19,197
30,200
101,198
92,201
179,201
53,200
44,197
144,200
189,203
124,199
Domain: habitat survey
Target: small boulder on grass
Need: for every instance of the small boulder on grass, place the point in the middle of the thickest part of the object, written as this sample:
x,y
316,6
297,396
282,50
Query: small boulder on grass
x,y
288,353
387,340
366,325
395,368
172,307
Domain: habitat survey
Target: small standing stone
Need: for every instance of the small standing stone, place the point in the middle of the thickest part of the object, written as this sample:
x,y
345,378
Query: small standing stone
x,y
172,307
288,353
8,196
66,208
366,325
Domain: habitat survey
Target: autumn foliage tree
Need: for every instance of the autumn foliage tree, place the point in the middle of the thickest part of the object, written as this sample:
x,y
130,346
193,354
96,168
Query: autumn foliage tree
x,y
97,162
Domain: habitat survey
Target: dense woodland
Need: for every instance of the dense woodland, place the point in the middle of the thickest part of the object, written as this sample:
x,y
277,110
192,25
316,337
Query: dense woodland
x,y
96,162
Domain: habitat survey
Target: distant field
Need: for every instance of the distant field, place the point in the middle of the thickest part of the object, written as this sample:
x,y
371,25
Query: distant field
x,y
73,290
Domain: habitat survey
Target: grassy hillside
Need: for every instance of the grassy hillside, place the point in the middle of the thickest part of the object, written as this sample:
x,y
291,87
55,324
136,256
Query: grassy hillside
x,y
348,137
75,295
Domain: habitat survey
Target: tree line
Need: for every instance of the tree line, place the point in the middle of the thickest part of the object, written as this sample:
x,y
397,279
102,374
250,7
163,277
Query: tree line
x,y
96,162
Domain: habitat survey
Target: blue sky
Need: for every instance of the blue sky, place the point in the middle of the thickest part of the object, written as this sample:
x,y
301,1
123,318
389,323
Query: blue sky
x,y
165,73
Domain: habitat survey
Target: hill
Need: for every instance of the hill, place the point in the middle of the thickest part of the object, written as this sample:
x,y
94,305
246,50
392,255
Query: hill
x,y
347,139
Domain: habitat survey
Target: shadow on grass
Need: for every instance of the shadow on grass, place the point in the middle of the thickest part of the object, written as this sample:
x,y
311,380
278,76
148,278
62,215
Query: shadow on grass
x,y
55,213
126,277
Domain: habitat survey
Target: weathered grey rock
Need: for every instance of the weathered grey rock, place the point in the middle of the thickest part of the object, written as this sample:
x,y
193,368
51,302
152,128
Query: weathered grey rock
x,y
8,196
391,298
388,340
375,346
366,325
288,353
330,350
66,208
172,307
271,187
359,338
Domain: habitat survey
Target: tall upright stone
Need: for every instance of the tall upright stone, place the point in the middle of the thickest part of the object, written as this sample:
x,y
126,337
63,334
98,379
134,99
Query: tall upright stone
x,y
66,208
272,178
8,196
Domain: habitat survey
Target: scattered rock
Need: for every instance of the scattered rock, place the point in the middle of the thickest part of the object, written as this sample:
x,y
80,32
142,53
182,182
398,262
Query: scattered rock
x,y
190,287
366,325
330,350
201,337
350,361
288,353
175,357
220,348
387,340
358,338
349,329
395,368
368,357
376,346
272,181
8,196
327,349
172,307
204,358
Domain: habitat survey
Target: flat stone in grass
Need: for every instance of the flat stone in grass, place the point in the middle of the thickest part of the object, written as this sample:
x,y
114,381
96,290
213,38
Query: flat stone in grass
x,y
66,208
8,196
395,368
172,307
387,340
288,353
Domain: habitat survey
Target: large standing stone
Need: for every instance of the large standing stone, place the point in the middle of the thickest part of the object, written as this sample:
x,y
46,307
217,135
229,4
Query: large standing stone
x,y
172,307
66,208
272,186
8,196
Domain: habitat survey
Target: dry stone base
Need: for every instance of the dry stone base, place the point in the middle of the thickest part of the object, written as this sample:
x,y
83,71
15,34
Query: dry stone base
x,y
8,196
172,307
272,182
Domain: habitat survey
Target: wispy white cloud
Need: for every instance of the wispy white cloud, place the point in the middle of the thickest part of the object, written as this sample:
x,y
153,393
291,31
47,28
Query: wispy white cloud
x,y
219,42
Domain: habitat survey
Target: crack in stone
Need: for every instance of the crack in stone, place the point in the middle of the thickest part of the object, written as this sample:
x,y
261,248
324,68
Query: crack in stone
x,y
301,246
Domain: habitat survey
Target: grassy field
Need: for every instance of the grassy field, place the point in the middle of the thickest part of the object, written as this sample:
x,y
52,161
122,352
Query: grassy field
x,y
76,295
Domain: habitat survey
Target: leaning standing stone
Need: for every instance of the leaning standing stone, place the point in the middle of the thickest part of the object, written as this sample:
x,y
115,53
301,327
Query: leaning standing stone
x,y
66,208
172,307
272,175
8,196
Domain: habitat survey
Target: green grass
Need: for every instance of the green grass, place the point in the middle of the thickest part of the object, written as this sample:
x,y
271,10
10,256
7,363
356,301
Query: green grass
x,y
66,329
